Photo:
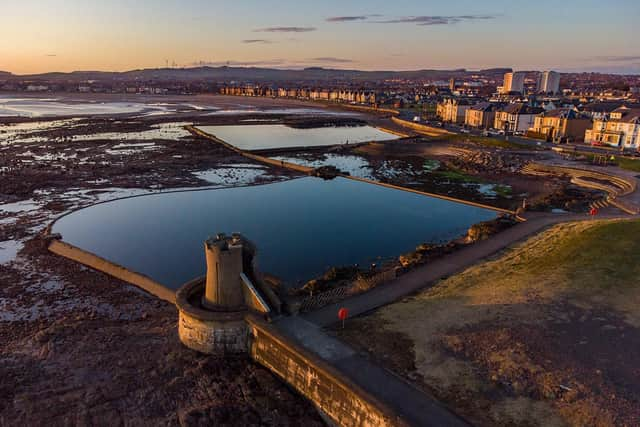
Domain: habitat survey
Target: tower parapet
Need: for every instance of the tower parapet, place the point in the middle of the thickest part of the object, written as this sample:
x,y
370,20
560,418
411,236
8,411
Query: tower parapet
x,y
212,309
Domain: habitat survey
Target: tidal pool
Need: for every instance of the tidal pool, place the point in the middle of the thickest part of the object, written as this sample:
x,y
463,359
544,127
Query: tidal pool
x,y
260,137
53,107
301,227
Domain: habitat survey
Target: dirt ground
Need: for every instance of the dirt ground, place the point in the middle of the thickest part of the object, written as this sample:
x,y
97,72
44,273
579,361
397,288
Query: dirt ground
x,y
546,334
82,348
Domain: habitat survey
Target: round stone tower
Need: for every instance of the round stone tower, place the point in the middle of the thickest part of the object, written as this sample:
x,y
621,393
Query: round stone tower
x,y
223,291
212,309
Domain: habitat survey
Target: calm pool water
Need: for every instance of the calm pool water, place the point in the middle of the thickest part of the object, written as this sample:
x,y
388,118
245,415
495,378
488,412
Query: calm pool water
x,y
259,137
301,227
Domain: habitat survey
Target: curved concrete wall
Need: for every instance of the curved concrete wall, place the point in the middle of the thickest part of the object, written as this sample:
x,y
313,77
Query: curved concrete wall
x,y
94,261
619,187
394,132
218,338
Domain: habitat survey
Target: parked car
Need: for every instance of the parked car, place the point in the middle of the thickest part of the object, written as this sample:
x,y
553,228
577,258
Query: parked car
x,y
463,130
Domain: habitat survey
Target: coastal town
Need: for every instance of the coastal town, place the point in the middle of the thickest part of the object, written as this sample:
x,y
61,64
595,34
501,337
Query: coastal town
x,y
595,109
365,218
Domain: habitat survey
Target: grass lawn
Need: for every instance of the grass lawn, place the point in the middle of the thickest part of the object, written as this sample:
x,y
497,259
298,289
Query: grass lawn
x,y
457,175
584,260
622,162
490,142
629,164
500,340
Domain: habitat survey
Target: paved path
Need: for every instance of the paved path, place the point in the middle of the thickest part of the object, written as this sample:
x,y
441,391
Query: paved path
x,y
446,266
413,406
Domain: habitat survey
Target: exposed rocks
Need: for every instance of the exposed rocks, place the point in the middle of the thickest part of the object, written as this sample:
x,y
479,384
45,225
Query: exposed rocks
x,y
332,278
426,252
568,197
328,172
319,122
478,161
486,229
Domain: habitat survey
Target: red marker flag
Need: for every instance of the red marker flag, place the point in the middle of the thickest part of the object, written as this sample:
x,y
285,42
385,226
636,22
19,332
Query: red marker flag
x,y
343,313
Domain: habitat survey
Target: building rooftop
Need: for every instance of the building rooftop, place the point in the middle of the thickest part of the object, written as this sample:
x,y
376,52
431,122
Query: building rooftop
x,y
520,108
565,113
484,106
629,115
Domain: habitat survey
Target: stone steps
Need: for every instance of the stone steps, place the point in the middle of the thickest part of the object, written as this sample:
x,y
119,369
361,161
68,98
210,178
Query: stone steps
x,y
613,185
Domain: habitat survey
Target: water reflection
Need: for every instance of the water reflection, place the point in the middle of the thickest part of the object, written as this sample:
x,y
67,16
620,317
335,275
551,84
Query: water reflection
x,y
258,137
301,227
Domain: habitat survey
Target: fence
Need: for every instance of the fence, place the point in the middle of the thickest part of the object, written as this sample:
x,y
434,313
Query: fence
x,y
365,283
361,284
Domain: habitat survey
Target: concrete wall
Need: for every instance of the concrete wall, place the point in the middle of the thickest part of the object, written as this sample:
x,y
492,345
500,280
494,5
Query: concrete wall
x,y
619,186
256,157
394,132
342,401
427,130
437,196
91,260
370,109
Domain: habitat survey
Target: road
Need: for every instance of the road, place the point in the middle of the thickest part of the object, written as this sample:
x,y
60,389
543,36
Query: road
x,y
534,143
526,141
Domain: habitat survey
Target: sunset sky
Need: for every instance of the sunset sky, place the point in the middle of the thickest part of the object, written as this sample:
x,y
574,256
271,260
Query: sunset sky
x,y
116,35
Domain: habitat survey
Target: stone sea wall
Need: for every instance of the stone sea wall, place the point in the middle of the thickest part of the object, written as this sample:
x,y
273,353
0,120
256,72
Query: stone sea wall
x,y
339,399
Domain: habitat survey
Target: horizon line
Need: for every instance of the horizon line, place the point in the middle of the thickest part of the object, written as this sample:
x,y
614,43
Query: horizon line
x,y
330,68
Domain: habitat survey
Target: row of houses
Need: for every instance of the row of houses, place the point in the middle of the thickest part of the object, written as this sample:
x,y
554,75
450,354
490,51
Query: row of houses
x,y
620,129
514,117
609,124
335,95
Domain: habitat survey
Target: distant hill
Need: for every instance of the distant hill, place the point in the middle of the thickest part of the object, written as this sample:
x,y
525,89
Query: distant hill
x,y
225,73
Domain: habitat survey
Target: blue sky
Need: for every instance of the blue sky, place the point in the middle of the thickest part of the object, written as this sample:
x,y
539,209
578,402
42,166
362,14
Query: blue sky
x,y
46,35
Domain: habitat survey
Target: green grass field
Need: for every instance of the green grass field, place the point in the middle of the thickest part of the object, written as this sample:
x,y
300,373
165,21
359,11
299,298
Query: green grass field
x,y
582,259
489,142
622,162
629,164
564,288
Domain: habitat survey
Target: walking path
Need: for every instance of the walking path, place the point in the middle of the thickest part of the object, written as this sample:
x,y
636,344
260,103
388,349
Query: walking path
x,y
413,406
446,266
